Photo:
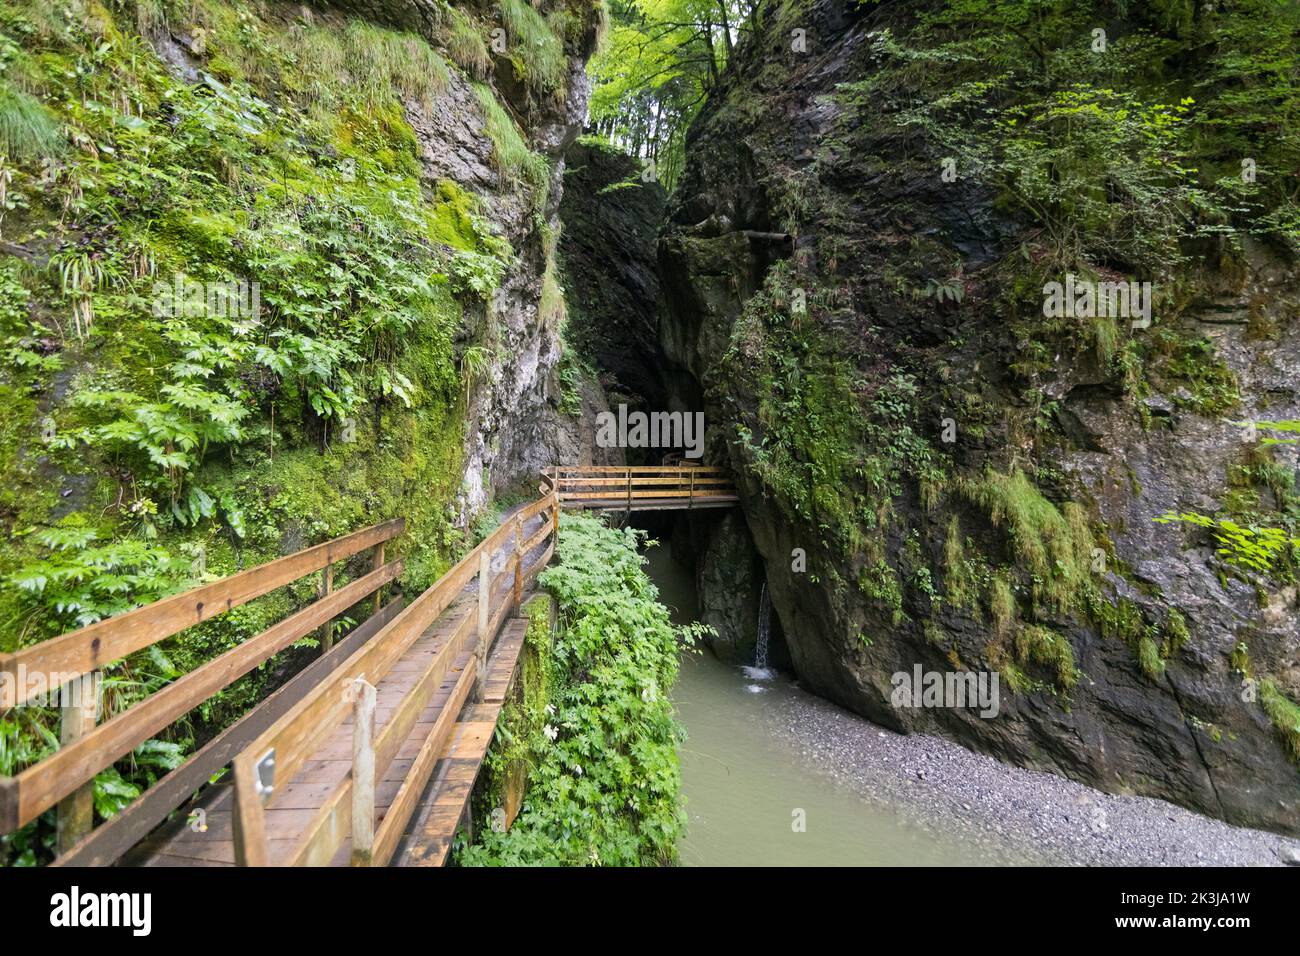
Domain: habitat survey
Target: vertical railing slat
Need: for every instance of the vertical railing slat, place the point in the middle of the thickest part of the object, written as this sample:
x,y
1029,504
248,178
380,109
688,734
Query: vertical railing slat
x,y
363,771
484,602
77,711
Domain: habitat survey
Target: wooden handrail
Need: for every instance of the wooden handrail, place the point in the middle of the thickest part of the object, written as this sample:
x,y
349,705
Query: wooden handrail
x,y
64,778
73,659
91,647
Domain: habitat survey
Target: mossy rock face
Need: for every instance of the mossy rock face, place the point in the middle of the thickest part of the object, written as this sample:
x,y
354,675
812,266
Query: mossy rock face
x,y
971,480
349,253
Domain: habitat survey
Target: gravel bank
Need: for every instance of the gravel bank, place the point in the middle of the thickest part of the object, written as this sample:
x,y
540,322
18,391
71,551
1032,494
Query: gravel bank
x,y
1009,814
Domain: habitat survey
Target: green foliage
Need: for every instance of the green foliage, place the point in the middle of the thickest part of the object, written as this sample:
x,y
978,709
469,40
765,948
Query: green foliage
x,y
516,162
1285,714
604,782
1210,387
465,44
537,52
880,583
1257,549
1041,646
661,59
1053,545
82,581
185,429
29,132
831,445
1149,659
1096,146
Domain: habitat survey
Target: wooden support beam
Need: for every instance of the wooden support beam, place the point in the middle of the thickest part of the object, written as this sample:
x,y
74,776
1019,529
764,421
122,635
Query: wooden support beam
x,y
327,629
376,563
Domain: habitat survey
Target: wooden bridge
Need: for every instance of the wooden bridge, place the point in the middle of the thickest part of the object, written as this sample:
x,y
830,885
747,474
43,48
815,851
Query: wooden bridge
x,y
368,755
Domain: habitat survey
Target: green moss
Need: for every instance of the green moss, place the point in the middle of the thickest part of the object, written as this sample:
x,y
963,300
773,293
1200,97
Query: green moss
x,y
452,221
1053,545
961,578
1285,715
1149,659
1175,633
1035,645
1003,605
880,583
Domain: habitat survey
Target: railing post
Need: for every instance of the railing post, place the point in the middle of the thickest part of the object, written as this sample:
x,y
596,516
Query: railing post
x,y
375,565
327,629
629,491
363,771
79,705
519,562
484,607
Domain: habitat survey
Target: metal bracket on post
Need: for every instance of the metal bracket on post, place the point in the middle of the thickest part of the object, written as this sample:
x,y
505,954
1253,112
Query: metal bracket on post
x,y
266,775
363,771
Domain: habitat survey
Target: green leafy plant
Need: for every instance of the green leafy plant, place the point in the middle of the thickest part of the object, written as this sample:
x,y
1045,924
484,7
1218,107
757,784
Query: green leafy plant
x,y
603,778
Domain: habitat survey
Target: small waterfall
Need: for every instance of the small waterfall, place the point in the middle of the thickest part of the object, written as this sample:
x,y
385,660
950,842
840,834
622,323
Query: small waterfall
x,y
764,629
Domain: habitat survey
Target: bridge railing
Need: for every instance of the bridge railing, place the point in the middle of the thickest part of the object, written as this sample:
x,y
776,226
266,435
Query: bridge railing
x,y
611,485
278,754
71,665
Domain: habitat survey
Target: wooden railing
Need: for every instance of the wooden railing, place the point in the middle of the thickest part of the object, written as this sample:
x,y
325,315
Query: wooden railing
x,y
612,486
272,742
276,756
73,662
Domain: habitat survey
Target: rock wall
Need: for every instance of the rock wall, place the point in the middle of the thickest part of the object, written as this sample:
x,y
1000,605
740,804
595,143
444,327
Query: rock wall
x,y
925,551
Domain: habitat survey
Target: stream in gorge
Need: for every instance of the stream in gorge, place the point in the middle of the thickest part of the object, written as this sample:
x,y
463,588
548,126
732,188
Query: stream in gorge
x,y
761,753
745,780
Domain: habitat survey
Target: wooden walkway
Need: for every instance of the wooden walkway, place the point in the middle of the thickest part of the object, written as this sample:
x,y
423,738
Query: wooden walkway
x,y
368,756
644,488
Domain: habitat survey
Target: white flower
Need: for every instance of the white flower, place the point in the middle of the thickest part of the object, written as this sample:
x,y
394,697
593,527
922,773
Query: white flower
x,y
551,732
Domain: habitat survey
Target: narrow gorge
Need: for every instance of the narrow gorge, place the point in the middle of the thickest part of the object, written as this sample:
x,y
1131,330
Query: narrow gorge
x,y
988,308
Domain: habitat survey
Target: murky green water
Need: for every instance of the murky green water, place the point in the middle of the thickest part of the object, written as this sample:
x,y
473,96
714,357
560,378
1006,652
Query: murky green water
x,y
746,784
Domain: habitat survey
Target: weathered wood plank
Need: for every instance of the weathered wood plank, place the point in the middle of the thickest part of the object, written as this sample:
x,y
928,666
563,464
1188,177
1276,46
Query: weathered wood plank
x,y
406,800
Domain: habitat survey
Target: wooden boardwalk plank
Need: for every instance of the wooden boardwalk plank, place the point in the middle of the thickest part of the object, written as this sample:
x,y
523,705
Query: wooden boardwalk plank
x,y
433,826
